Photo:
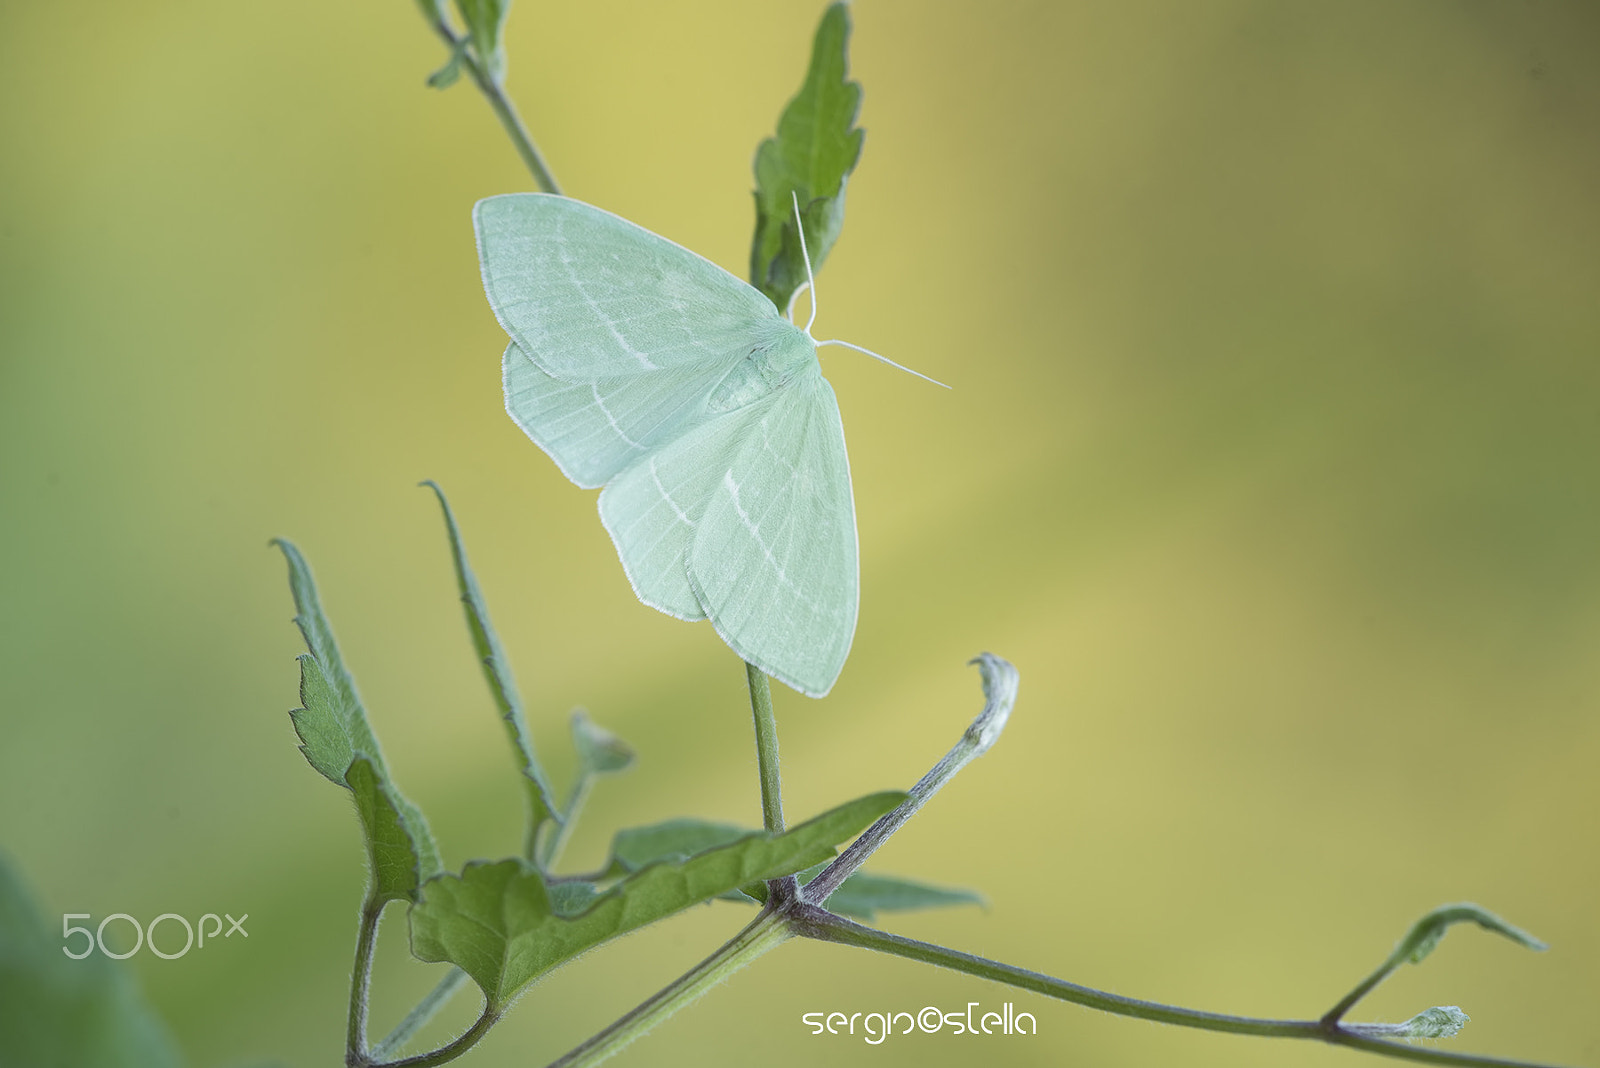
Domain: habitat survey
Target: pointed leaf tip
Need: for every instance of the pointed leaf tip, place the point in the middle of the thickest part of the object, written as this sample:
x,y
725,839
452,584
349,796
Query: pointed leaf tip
x,y
599,751
337,740
1427,932
1441,1021
497,673
816,148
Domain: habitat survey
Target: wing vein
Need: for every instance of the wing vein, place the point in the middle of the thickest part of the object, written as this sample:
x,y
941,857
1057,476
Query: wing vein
x,y
577,284
655,476
732,487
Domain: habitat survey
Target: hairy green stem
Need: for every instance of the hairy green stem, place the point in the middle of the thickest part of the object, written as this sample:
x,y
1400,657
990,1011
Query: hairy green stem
x,y
764,933
355,1042
1345,1036
1365,987
766,748
555,843
530,842
446,1053
787,888
828,927
812,922
503,109
418,1017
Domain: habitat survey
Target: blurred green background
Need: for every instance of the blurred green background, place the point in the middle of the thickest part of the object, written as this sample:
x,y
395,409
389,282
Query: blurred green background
x,y
1271,462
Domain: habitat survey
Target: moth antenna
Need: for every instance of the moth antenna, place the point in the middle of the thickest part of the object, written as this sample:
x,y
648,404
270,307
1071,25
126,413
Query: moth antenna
x,y
885,359
811,283
803,286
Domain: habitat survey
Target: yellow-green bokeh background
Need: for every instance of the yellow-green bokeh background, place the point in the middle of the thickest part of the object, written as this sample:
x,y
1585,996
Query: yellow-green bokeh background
x,y
1271,462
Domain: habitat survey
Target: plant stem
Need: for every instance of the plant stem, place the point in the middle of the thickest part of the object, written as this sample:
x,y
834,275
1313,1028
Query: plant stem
x,y
555,843
356,1038
421,1014
764,933
1343,1036
361,981
783,890
445,1053
1365,987
1000,693
829,927
812,922
503,109
766,748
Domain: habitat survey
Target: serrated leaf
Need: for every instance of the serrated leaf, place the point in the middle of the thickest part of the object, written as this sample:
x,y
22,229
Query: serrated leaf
x,y
485,21
1426,933
499,923
324,735
816,148
337,740
497,672
57,1011
400,856
599,751
337,726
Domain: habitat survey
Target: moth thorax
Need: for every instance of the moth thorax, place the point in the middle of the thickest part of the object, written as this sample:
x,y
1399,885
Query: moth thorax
x,y
775,358
784,353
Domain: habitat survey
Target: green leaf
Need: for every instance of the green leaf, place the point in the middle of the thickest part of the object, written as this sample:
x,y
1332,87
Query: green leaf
x,y
863,895
599,751
399,858
325,736
1414,948
673,841
55,1011
335,722
570,897
499,923
817,146
338,741
1441,1021
497,672
485,21
1426,933
447,75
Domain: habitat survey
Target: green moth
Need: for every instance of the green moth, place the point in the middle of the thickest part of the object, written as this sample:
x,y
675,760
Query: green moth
x,y
644,368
